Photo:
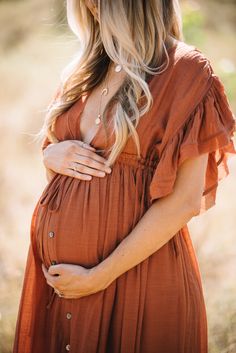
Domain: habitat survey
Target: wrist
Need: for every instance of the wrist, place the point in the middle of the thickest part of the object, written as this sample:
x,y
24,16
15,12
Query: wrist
x,y
101,276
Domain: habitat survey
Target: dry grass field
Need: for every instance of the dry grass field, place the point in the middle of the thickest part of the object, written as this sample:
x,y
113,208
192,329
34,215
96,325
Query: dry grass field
x,y
35,46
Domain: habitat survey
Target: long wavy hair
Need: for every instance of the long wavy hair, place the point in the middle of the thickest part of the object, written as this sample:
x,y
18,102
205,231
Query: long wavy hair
x,y
140,48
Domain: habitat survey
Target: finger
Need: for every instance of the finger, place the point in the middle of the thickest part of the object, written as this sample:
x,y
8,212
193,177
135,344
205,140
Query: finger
x,y
91,163
50,271
50,284
85,145
55,270
85,169
91,155
71,296
51,279
74,174
68,294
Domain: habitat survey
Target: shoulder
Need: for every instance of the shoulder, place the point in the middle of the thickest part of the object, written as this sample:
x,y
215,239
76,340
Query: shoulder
x,y
190,61
189,54
189,72
188,84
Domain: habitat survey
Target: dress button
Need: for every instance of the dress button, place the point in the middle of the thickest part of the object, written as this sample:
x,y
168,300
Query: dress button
x,y
68,316
53,262
51,234
67,347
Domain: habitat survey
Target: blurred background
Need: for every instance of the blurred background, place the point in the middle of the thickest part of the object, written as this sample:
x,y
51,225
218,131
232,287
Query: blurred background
x,y
35,45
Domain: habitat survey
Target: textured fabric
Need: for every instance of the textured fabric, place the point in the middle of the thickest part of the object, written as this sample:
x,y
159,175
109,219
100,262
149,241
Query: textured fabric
x,y
157,306
208,128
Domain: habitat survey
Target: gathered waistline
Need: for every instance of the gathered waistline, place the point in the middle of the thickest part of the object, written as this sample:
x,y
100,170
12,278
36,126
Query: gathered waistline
x,y
132,159
52,194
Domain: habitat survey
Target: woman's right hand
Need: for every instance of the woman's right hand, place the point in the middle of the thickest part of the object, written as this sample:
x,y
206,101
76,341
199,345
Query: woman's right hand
x,y
71,159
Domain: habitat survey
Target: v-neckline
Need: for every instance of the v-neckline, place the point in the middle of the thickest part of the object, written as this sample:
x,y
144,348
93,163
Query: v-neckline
x,y
81,110
82,107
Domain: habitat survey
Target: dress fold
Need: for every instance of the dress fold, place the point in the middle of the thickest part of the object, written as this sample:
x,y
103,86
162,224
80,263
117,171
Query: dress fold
x,y
208,129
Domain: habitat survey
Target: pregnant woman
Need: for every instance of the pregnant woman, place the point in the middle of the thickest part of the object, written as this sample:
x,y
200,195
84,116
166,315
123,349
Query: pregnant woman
x,y
135,143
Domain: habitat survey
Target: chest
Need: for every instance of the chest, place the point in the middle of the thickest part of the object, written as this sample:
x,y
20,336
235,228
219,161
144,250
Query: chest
x,y
91,114
78,123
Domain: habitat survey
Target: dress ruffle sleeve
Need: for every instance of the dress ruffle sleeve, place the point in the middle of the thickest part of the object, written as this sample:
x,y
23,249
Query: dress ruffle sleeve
x,y
208,129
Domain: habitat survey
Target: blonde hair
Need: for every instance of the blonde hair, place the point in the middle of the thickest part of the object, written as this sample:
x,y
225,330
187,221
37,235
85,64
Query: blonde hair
x,y
147,26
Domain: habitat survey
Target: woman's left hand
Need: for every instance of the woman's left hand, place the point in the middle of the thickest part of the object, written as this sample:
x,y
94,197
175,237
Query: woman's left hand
x,y
73,281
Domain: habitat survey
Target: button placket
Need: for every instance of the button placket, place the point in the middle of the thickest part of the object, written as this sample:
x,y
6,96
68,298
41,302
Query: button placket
x,y
51,234
51,238
68,316
50,249
67,347
51,242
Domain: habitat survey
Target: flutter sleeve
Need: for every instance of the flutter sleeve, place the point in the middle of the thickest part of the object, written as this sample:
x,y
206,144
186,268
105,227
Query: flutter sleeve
x,y
208,129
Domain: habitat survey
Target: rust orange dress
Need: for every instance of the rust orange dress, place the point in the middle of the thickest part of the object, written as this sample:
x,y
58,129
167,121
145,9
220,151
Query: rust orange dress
x,y
157,306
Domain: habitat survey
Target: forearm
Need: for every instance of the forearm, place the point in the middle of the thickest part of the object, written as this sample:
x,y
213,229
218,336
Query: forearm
x,y
157,226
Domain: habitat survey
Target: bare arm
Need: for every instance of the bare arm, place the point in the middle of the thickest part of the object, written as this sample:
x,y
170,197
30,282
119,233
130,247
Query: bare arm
x,y
159,224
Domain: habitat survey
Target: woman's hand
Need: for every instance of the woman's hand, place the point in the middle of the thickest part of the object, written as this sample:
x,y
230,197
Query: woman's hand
x,y
71,159
73,281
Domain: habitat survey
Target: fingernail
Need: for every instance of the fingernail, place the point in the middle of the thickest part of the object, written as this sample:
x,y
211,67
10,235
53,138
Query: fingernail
x,y
91,147
108,170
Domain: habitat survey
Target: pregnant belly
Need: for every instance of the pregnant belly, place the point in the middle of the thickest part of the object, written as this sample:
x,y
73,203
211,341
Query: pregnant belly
x,y
82,222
